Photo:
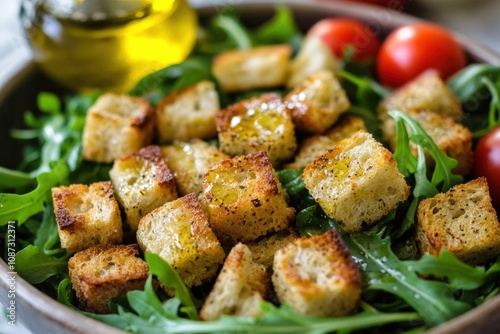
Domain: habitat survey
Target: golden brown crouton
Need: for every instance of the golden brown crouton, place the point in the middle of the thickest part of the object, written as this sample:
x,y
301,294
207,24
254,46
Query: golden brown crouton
x,y
244,199
313,56
454,139
189,163
241,287
87,216
142,182
356,182
317,276
463,221
426,92
180,234
264,248
312,147
188,114
317,104
99,274
116,126
257,124
258,68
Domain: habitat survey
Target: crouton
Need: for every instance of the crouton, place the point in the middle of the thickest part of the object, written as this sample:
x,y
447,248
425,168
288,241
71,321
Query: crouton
x,y
241,287
188,114
426,92
87,216
264,248
454,139
317,276
257,124
116,126
315,146
99,274
317,104
244,199
257,68
313,56
180,234
463,221
189,163
142,182
356,182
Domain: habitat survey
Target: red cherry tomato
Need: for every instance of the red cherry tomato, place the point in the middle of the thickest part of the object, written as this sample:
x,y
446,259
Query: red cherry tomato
x,y
487,163
413,49
340,34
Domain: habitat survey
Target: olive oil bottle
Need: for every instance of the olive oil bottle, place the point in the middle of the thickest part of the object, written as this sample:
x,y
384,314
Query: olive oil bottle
x,y
107,44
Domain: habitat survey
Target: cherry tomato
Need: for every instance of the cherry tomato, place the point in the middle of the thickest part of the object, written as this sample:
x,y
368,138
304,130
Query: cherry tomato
x,y
391,4
413,49
340,34
487,163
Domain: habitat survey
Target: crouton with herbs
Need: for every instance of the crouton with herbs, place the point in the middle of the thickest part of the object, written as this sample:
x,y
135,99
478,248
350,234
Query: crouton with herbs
x,y
189,162
87,216
99,274
357,182
454,139
244,199
258,124
317,276
313,56
248,69
317,103
179,232
463,221
315,146
264,248
241,287
189,113
142,182
116,126
426,92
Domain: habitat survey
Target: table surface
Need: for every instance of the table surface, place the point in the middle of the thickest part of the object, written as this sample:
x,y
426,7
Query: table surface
x,y
477,19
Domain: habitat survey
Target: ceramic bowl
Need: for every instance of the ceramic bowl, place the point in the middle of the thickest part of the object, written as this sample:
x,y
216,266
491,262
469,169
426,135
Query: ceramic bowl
x,y
22,81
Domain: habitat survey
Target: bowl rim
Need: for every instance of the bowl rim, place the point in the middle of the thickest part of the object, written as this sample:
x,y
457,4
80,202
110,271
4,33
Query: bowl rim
x,y
35,300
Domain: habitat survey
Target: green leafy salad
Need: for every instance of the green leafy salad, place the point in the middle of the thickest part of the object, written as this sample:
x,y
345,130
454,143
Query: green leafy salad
x,y
402,292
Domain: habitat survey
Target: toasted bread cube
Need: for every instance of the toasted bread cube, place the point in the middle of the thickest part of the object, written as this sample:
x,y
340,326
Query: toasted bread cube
x,y
264,248
257,68
426,92
244,199
463,221
454,139
116,126
317,104
356,182
313,56
257,124
99,274
180,234
87,216
189,162
189,113
317,276
315,146
142,182
242,285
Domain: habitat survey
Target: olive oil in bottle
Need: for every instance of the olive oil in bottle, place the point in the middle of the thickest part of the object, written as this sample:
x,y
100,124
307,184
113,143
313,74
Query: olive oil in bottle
x,y
107,44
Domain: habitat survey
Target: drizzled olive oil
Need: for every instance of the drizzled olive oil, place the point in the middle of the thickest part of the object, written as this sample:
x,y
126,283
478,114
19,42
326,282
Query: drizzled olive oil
x,y
108,44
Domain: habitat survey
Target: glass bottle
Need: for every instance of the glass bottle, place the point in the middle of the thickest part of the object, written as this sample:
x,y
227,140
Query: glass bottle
x,y
107,44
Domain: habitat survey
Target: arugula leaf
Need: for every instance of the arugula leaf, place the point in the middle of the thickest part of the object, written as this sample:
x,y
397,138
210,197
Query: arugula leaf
x,y
49,103
13,179
65,294
170,278
35,266
467,83
368,93
494,109
21,207
280,29
47,236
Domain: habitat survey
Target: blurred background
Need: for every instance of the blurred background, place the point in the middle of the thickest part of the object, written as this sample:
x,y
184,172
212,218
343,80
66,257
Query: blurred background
x,y
474,18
